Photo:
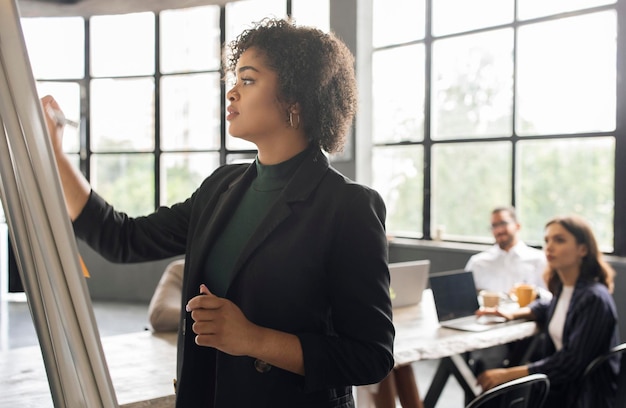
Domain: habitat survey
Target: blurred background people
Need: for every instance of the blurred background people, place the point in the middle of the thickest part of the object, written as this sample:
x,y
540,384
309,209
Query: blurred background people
x,y
508,263
580,320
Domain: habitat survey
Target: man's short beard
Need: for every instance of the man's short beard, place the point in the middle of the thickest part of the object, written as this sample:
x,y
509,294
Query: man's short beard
x,y
508,243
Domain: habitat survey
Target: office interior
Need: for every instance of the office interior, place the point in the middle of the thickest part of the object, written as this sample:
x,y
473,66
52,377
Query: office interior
x,y
445,244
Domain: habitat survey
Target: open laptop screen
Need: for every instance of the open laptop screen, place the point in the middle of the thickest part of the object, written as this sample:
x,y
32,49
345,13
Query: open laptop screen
x,y
454,293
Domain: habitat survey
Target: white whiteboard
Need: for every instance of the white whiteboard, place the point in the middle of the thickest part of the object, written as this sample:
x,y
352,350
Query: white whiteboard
x,y
44,243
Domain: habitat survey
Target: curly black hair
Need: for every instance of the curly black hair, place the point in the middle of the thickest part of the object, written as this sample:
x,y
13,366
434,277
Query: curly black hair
x,y
315,69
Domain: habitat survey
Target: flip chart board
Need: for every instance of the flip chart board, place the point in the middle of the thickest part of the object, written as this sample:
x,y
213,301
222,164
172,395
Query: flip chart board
x,y
44,243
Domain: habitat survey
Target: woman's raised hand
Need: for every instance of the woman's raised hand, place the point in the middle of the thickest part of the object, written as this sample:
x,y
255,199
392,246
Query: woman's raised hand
x,y
51,112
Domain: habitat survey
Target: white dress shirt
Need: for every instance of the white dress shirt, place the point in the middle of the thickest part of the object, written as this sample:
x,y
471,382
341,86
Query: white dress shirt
x,y
499,270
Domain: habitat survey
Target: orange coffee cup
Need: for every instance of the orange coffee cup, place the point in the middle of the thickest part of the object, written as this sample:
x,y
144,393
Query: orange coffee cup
x,y
525,294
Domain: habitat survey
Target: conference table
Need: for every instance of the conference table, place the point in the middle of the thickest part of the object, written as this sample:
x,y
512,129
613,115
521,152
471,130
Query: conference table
x,y
420,337
142,365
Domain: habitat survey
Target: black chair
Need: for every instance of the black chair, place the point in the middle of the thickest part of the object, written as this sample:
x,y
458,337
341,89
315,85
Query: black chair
x,y
620,398
530,391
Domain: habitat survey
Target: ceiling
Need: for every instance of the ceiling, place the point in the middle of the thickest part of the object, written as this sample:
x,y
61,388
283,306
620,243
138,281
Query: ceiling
x,y
61,8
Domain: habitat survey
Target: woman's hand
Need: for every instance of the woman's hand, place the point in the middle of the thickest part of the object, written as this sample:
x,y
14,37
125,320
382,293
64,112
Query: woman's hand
x,y
219,323
76,188
494,311
55,128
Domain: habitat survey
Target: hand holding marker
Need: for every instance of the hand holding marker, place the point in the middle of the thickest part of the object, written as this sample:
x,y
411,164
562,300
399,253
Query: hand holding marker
x,y
61,119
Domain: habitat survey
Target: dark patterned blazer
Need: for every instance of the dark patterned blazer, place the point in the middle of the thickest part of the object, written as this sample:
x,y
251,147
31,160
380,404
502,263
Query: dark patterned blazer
x,y
590,330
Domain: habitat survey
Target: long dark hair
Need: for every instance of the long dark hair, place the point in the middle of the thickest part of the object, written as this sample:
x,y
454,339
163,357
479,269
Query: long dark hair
x,y
593,268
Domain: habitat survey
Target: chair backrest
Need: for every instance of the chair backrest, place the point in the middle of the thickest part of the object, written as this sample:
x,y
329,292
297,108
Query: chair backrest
x,y
620,398
530,391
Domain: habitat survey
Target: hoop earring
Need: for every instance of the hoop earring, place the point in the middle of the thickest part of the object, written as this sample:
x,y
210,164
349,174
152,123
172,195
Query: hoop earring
x,y
291,121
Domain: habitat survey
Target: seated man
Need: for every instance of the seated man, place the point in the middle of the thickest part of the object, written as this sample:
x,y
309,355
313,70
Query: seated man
x,y
509,261
164,309
506,264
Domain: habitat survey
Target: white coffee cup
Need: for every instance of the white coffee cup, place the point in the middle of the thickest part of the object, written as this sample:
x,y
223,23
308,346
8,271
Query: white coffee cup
x,y
490,299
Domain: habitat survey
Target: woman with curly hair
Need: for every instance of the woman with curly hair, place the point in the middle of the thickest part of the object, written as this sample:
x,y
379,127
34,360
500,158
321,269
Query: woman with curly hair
x,y
285,294
580,320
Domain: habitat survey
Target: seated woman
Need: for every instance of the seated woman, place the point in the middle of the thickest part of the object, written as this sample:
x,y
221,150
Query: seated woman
x,y
581,319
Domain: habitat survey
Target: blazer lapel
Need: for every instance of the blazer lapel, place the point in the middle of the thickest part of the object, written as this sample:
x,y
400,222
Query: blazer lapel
x,y
304,181
215,217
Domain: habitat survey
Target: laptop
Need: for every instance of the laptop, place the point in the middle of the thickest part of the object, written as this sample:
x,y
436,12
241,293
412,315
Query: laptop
x,y
408,281
456,302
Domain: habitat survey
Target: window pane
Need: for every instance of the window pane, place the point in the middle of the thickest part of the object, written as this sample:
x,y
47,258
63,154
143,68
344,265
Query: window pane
x,y
182,174
473,85
468,181
241,15
313,13
453,16
122,44
567,75
528,9
190,112
397,21
399,178
125,180
56,46
190,39
559,177
67,94
398,113
122,124
238,158
233,143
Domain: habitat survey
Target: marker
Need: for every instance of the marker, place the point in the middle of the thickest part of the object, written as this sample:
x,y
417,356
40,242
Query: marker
x,y
61,119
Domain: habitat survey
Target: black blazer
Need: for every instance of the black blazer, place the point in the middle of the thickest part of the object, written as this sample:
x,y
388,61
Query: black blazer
x,y
315,267
590,330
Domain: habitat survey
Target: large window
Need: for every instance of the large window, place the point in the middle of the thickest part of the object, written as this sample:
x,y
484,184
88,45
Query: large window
x,y
148,92
495,102
474,104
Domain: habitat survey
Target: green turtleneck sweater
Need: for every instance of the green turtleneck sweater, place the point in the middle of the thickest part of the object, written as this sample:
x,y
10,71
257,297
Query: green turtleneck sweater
x,y
252,208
